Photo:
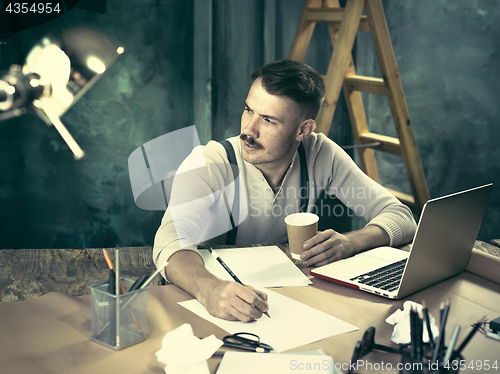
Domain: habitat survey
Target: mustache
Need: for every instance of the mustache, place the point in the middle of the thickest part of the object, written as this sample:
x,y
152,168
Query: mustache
x,y
251,141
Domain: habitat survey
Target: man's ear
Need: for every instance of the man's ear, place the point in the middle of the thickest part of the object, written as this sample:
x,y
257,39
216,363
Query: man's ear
x,y
305,129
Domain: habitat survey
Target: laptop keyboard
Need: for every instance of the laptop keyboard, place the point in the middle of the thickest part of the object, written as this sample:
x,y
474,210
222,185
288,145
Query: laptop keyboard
x,y
386,278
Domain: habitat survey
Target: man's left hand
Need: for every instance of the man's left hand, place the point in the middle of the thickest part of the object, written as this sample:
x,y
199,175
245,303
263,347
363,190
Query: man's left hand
x,y
329,246
325,247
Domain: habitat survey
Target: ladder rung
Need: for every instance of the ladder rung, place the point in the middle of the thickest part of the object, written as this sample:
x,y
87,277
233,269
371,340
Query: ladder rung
x,y
367,84
333,15
389,144
343,25
404,198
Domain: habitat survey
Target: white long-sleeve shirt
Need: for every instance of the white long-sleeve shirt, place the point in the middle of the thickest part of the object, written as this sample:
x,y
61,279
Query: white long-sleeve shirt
x,y
197,213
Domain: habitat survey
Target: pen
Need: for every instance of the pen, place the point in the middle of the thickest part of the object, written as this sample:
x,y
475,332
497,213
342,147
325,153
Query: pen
x,y
163,266
132,298
138,283
117,271
438,350
468,338
230,272
111,282
413,334
451,344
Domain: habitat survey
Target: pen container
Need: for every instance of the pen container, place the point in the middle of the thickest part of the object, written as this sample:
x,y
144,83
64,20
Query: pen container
x,y
410,365
118,321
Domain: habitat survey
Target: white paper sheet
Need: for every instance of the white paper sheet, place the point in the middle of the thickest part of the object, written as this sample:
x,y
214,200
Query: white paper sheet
x,y
292,324
269,363
256,266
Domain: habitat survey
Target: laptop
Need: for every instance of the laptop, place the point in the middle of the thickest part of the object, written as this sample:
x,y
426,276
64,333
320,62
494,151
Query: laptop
x,y
441,248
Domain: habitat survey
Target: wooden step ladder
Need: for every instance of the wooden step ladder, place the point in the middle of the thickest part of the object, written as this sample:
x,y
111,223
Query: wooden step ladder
x,y
343,25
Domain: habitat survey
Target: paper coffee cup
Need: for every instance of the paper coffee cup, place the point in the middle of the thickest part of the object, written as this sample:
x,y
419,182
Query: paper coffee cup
x,y
300,227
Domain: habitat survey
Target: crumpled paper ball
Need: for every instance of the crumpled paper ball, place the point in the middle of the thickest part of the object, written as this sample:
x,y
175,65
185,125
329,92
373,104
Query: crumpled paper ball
x,y
184,353
401,321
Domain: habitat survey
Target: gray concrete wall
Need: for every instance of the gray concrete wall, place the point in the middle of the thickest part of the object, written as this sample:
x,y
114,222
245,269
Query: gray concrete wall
x,y
448,57
47,199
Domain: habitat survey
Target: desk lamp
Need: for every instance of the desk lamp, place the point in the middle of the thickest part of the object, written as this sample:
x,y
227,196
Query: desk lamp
x,y
58,70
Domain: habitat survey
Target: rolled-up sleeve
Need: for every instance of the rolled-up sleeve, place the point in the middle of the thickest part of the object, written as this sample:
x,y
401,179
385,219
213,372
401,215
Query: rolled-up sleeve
x,y
196,209
361,194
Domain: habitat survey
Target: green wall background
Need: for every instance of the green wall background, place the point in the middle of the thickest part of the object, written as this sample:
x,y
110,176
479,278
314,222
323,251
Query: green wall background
x,y
448,55
49,200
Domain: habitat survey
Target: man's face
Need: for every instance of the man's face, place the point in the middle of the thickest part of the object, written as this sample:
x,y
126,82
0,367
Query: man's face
x,y
269,125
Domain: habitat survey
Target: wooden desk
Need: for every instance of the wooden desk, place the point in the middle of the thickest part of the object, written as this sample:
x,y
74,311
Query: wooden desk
x,y
51,334
30,273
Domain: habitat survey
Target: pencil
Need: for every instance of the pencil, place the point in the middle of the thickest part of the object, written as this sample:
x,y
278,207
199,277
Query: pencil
x,y
451,344
122,289
438,350
230,272
420,337
112,267
428,324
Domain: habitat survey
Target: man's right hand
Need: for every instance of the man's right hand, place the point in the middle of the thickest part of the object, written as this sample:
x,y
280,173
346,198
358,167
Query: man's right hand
x,y
232,301
227,300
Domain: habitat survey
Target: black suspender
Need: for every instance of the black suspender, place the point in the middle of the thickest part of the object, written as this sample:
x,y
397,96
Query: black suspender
x,y
234,213
304,180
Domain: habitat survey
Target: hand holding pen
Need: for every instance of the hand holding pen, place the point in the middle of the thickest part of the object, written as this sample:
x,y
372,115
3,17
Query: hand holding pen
x,y
237,280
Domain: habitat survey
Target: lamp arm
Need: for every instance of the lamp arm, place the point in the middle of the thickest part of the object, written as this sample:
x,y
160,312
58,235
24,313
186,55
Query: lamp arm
x,y
78,153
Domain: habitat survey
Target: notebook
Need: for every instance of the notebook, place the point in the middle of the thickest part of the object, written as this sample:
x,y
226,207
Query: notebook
x,y
441,248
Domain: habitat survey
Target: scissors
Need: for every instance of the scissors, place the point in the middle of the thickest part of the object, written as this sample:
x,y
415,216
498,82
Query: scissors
x,y
248,341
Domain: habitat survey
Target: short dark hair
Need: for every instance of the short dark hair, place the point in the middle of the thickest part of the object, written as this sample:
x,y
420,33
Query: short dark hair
x,y
295,80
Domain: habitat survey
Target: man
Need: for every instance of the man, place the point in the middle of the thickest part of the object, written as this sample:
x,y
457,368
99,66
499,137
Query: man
x,y
279,113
